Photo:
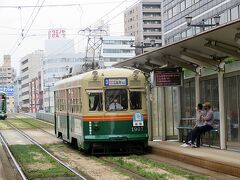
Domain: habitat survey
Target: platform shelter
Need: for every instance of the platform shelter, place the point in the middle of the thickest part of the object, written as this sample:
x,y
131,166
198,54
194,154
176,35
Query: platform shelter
x,y
214,52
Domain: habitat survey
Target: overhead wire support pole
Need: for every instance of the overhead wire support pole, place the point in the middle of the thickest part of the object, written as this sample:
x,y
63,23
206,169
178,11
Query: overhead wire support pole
x,y
94,45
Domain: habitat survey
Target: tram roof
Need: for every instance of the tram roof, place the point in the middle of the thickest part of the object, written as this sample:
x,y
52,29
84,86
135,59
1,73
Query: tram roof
x,y
206,49
110,72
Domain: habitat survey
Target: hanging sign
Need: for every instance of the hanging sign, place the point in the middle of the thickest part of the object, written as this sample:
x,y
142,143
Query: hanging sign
x,y
168,77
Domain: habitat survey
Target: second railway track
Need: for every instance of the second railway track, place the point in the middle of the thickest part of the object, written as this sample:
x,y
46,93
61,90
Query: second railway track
x,y
77,174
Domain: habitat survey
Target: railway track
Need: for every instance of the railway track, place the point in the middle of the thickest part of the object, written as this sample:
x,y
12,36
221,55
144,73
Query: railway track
x,y
131,173
78,175
53,135
10,155
134,174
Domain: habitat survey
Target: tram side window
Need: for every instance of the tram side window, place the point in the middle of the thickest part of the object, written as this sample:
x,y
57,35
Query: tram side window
x,y
135,100
116,99
95,102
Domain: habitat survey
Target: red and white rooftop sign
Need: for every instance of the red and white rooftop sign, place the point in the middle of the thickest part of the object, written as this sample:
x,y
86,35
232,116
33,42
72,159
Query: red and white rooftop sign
x,y
56,33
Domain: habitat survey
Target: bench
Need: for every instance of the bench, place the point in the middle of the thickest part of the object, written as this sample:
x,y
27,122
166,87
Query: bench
x,y
210,138
185,125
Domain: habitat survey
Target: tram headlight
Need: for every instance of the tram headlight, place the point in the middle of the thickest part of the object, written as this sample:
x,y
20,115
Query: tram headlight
x,y
135,74
95,75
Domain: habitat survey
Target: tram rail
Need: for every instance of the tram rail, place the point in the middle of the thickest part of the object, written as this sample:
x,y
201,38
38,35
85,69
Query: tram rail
x,y
21,119
131,173
46,151
9,153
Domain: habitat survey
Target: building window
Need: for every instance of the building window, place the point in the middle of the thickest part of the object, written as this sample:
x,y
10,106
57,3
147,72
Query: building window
x,y
146,6
152,29
234,13
151,37
188,3
25,61
169,13
118,50
151,21
182,5
189,32
151,14
25,69
175,10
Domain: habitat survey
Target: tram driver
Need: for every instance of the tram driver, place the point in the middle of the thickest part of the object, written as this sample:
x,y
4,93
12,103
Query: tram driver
x,y
115,105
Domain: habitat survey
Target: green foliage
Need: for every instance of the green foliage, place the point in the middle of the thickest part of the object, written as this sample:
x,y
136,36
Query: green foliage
x,y
153,164
140,170
4,125
30,123
37,164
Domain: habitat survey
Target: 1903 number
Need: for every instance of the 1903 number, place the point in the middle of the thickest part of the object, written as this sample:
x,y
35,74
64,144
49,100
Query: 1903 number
x,y
137,129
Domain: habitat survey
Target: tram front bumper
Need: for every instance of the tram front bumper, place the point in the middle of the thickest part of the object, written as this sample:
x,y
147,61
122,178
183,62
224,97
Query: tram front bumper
x,y
116,138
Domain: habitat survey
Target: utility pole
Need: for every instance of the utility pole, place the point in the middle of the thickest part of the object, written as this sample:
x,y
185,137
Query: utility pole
x,y
94,46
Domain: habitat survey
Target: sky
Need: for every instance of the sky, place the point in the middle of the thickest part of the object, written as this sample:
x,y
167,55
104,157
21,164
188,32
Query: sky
x,y
75,15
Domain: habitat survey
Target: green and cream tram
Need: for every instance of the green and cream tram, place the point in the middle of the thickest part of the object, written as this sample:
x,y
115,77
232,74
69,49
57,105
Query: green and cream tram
x,y
3,105
103,111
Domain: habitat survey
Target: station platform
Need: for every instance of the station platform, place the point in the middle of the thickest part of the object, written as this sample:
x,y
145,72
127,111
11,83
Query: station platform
x,y
222,161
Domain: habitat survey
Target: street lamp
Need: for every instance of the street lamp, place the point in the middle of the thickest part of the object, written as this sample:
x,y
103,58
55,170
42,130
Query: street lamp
x,y
202,24
152,42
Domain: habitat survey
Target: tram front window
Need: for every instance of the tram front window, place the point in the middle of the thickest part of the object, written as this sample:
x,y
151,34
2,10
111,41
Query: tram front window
x,y
135,100
116,100
95,102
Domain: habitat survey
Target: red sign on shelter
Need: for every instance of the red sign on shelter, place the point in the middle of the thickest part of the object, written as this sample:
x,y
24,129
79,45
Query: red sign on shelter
x,y
168,77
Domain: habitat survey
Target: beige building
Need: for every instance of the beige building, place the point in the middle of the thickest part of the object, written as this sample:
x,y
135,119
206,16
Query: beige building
x,y
30,66
144,22
6,81
6,71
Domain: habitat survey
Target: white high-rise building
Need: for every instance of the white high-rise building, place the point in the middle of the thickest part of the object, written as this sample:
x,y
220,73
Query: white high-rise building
x,y
59,57
116,49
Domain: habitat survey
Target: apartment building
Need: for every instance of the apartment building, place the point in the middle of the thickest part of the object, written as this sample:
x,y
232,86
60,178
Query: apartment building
x,y
6,81
6,71
201,11
30,65
144,21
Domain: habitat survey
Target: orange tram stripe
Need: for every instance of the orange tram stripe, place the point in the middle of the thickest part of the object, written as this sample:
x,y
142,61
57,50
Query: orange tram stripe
x,y
109,118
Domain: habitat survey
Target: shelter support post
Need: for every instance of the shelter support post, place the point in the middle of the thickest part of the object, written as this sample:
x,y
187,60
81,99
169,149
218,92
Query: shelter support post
x,y
149,108
221,106
162,112
197,85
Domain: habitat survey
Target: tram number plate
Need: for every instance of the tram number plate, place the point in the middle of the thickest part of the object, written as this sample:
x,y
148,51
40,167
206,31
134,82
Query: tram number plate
x,y
137,129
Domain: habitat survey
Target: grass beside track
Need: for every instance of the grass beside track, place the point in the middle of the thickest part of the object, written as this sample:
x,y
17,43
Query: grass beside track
x,y
4,125
30,123
37,164
152,169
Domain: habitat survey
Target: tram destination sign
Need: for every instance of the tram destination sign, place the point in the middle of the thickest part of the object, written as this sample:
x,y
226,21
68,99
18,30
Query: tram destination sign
x,y
168,77
115,82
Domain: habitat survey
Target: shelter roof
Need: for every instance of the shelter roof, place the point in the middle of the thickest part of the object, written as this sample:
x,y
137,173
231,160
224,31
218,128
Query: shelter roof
x,y
206,49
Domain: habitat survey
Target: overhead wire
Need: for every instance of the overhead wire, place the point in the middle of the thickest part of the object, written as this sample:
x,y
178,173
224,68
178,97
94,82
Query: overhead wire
x,y
16,44
61,5
25,35
54,53
66,46
14,50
